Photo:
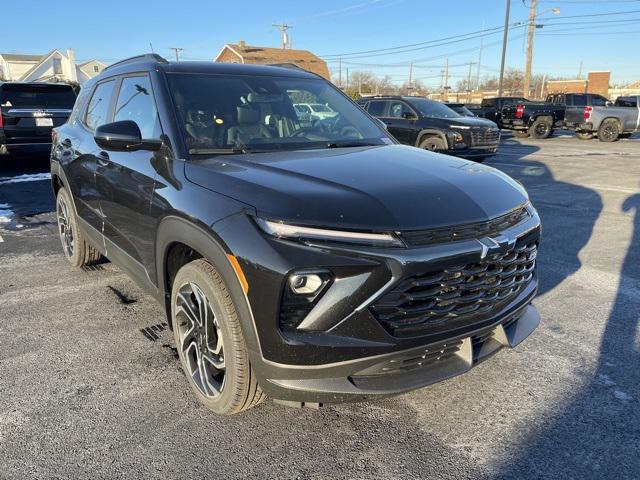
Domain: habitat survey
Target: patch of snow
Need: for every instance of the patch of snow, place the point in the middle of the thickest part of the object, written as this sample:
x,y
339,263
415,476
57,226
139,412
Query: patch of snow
x,y
620,395
5,213
27,177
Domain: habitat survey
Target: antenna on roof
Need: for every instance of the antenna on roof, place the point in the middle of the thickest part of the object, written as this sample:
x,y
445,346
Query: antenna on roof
x,y
283,27
151,45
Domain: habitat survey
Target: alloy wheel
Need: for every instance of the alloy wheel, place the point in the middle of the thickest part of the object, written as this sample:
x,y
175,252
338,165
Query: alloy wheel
x,y
542,129
200,340
64,227
609,132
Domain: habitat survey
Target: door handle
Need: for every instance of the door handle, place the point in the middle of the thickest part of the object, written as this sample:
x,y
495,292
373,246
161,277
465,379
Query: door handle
x,y
103,158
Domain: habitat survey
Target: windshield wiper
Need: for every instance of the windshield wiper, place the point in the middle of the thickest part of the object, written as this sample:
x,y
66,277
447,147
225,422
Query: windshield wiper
x,y
348,144
220,151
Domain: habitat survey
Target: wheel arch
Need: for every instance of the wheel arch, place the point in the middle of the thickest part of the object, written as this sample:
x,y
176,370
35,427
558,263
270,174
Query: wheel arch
x,y
431,132
179,233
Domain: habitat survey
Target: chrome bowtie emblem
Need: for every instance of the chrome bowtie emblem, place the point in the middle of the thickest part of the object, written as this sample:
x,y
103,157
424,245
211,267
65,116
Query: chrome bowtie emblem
x,y
498,244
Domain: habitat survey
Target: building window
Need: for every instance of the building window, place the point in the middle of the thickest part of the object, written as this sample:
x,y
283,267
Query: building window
x,y
57,66
96,69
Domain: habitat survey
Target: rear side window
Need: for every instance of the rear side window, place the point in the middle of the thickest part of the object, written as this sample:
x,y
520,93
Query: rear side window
x,y
81,102
488,103
135,102
98,107
37,96
627,102
376,108
597,101
578,100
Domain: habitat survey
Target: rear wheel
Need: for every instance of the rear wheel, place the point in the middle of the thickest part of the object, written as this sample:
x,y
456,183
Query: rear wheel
x,y
435,144
584,135
210,342
609,131
541,128
520,133
75,246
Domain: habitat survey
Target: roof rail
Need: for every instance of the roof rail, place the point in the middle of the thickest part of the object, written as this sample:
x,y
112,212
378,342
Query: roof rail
x,y
154,57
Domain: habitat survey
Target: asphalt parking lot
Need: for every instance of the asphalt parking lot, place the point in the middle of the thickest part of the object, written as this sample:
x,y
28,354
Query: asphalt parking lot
x,y
90,385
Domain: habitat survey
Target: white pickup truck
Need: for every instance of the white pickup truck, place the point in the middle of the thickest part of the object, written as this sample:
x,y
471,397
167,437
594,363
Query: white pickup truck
x,y
609,122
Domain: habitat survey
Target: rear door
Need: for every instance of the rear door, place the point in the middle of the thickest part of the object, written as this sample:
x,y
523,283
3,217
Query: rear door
x,y
30,111
125,180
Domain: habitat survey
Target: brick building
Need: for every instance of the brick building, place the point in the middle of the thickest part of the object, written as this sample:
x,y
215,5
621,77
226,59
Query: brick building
x,y
596,82
242,53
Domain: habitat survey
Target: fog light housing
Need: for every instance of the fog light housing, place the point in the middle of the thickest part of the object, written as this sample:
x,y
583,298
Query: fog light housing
x,y
301,292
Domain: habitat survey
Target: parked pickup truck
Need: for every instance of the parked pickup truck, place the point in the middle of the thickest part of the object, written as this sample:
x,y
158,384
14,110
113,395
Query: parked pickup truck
x,y
608,122
491,108
538,119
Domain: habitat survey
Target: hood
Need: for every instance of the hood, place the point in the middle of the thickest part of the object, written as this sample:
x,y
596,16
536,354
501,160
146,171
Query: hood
x,y
471,122
382,188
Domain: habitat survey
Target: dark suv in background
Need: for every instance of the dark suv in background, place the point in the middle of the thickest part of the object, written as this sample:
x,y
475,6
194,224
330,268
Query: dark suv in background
x,y
28,112
433,126
312,263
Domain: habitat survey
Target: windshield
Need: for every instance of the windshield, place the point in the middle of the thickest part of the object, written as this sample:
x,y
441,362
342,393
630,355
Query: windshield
x,y
321,108
433,109
37,96
255,113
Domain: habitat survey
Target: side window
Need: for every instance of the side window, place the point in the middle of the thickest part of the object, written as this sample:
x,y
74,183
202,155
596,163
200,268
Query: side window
x,y
579,100
135,102
597,101
398,109
78,107
376,108
98,108
490,103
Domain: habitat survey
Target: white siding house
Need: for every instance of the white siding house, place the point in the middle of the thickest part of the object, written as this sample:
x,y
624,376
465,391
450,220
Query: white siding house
x,y
52,67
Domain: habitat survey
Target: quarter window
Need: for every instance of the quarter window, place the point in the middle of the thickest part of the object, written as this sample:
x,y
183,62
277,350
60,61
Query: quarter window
x,y
98,108
135,102
376,108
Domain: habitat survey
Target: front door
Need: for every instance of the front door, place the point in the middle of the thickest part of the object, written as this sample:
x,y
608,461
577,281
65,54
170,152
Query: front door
x,y
401,122
125,182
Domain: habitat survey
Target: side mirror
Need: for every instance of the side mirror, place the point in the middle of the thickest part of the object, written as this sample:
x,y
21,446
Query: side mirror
x,y
123,136
408,116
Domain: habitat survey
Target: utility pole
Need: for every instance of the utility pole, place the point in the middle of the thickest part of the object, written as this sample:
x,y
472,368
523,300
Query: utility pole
x,y
580,70
446,72
469,81
410,78
479,59
504,47
532,26
283,27
177,50
347,77
340,72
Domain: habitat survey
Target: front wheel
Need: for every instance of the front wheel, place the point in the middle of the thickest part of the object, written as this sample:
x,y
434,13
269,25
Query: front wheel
x,y
210,342
434,144
609,131
75,246
541,128
584,135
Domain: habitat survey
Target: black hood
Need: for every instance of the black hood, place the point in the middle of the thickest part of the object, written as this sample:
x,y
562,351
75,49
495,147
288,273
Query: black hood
x,y
381,188
470,122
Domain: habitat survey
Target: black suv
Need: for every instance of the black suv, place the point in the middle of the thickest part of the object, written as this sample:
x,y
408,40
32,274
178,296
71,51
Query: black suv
x,y
316,263
28,112
433,126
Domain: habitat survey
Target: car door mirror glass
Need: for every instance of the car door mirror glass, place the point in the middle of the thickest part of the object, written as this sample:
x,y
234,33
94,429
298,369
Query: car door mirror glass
x,y
123,136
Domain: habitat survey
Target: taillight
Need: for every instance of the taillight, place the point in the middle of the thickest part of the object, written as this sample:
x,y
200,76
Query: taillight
x,y
519,111
587,113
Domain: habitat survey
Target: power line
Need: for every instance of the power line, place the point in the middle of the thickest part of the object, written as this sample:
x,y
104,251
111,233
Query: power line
x,y
177,51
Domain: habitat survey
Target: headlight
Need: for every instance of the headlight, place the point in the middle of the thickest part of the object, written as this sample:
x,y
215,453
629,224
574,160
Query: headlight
x,y
460,127
284,230
458,136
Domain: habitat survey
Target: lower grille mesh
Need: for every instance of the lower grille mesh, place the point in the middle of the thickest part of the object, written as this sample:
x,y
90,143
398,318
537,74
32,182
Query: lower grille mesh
x,y
474,289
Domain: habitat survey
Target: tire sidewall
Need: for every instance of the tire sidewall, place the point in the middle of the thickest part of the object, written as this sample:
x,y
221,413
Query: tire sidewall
x,y
432,141
192,273
76,258
533,130
601,134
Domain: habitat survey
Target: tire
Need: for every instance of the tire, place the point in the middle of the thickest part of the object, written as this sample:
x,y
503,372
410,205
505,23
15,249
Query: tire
x,y
520,133
541,128
434,144
75,246
205,320
584,135
609,131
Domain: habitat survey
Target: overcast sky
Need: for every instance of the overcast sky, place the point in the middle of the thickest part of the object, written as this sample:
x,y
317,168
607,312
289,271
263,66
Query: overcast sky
x,y
603,41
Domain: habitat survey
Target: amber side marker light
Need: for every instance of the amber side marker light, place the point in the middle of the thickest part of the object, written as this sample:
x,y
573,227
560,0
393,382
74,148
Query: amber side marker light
x,y
239,273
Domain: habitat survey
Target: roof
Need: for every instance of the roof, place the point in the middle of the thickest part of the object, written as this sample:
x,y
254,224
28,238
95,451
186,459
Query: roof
x,y
16,57
635,84
266,55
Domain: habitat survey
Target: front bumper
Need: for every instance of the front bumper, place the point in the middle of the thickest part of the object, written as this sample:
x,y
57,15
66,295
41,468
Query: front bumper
x,y
340,350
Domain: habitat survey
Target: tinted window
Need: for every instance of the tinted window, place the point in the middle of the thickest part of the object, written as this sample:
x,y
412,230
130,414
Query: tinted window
x,y
135,102
627,102
399,109
376,108
433,109
36,96
578,100
490,102
98,107
597,101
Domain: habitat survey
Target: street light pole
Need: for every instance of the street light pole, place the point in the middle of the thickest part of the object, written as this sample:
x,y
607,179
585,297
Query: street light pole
x,y
527,70
504,47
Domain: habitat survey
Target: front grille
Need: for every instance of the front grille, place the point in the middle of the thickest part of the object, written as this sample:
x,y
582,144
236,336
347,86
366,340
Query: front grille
x,y
417,238
485,137
461,291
